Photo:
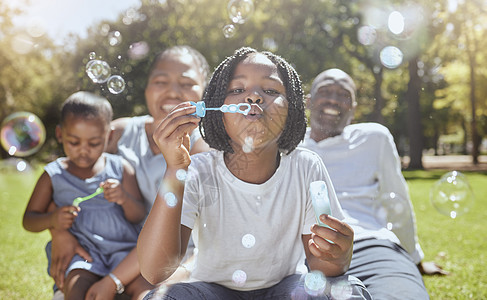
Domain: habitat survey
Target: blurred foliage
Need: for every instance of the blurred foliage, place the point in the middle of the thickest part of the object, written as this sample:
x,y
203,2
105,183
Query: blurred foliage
x,y
314,36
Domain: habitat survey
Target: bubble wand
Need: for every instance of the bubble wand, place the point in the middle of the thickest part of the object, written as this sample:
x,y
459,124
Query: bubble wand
x,y
78,200
231,108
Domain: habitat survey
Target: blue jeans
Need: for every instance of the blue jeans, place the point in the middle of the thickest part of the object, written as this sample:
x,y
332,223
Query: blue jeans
x,y
291,287
387,270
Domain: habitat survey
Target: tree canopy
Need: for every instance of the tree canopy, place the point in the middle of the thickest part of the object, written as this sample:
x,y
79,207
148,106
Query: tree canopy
x,y
418,65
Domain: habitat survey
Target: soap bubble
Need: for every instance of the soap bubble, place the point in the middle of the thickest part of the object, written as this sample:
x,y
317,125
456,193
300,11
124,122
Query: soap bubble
x,y
392,209
395,22
248,145
114,38
391,57
248,240
366,35
116,84
228,31
240,10
15,164
171,199
22,134
92,55
181,174
314,283
98,70
138,50
36,27
22,43
341,290
452,195
22,166
239,278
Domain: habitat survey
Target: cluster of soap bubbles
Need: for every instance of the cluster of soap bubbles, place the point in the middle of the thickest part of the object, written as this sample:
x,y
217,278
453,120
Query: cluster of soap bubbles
x,y
99,71
385,31
452,195
316,284
239,12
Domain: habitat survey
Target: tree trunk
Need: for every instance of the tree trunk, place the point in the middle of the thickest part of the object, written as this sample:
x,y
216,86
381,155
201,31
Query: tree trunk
x,y
415,130
473,124
376,115
465,138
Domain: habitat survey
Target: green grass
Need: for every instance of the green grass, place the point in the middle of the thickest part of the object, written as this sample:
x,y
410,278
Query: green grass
x,y
459,245
23,263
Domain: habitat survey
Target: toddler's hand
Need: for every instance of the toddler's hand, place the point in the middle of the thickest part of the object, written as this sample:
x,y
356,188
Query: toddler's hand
x,y
63,217
113,191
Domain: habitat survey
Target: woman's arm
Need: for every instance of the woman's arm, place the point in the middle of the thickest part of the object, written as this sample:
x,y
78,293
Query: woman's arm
x,y
117,128
163,240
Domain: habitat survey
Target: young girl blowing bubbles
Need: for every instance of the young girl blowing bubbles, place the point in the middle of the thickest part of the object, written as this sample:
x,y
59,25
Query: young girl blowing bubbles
x,y
247,201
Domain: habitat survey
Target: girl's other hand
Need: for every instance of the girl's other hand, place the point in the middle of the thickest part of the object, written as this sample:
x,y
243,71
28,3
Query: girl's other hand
x,y
63,217
339,252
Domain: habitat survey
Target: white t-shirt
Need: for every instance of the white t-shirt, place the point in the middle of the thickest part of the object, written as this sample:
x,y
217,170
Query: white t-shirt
x,y
365,169
249,235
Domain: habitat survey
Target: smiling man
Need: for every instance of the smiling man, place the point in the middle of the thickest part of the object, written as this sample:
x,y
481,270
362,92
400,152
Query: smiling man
x,y
365,169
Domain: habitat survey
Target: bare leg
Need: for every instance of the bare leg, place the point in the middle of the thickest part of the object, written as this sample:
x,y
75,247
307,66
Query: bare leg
x,y
77,284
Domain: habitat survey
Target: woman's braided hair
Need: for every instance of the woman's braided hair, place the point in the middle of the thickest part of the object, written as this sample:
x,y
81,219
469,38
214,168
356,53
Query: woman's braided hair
x,y
211,126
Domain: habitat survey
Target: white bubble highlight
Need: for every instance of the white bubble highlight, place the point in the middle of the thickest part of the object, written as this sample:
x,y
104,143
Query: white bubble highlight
x,y
314,283
170,199
391,57
239,278
181,174
395,22
366,35
248,241
341,290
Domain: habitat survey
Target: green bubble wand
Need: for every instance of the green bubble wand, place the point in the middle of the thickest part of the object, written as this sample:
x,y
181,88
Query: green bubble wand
x,y
78,200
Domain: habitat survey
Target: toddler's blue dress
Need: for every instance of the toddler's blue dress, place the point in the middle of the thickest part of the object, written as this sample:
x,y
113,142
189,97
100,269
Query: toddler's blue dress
x,y
101,227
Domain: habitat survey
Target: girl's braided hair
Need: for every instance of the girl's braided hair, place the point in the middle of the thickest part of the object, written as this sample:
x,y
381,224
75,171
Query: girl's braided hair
x,y
211,126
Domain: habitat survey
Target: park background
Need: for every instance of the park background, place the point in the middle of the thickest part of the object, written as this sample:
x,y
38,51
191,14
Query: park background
x,y
419,67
